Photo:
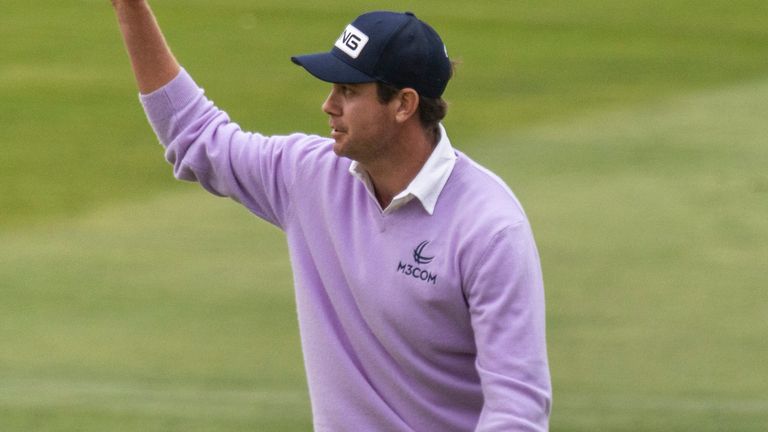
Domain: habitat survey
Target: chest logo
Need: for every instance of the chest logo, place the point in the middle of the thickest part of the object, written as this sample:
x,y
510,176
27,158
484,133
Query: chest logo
x,y
418,254
416,272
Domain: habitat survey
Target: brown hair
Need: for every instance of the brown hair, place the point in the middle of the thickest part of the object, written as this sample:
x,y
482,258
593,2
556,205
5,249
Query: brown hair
x,y
431,110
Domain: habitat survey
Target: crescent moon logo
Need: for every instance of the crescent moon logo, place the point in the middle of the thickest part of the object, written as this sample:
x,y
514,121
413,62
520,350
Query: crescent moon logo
x,y
418,254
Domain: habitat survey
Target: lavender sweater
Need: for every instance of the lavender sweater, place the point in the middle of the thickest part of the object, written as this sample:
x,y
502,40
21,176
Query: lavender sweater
x,y
409,321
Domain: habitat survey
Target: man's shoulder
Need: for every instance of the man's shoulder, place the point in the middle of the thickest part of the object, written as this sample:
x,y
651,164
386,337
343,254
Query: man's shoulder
x,y
304,143
478,209
306,149
312,157
481,192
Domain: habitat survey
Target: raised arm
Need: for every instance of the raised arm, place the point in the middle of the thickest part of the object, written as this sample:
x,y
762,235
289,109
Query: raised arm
x,y
153,63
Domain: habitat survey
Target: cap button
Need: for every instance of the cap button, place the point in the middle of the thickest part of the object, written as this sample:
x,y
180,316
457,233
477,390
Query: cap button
x,y
410,14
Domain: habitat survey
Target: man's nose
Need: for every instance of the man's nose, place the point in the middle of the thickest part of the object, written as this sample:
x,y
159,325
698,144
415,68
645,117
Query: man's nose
x,y
330,106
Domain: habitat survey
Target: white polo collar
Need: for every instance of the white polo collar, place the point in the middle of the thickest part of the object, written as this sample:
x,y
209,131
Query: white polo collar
x,y
427,184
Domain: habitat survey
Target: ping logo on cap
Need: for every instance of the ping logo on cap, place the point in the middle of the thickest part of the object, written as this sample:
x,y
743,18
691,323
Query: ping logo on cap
x,y
352,41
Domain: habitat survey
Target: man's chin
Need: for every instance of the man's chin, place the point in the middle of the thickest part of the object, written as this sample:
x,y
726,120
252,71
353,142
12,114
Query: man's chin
x,y
338,148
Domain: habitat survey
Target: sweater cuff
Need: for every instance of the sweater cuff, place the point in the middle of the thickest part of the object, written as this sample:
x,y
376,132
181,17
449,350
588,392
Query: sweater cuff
x,y
164,102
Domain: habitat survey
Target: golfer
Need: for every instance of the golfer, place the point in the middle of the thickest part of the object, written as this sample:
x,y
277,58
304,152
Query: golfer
x,y
417,280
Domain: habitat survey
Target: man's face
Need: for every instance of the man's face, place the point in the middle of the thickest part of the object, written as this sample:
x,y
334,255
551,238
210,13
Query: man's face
x,y
360,124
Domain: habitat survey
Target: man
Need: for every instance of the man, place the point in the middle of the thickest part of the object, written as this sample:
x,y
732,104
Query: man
x,y
418,285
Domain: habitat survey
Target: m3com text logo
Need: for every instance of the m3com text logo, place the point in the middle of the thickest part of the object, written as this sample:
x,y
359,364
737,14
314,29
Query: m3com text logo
x,y
415,271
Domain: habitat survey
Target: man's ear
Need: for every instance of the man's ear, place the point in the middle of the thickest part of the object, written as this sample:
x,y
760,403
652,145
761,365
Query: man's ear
x,y
407,104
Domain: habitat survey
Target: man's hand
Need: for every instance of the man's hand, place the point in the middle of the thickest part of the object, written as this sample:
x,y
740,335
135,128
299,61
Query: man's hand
x,y
153,63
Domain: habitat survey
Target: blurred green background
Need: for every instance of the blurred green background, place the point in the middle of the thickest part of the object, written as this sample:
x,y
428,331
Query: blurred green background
x,y
634,132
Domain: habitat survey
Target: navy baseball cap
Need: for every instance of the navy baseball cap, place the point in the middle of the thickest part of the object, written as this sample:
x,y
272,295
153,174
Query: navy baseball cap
x,y
396,48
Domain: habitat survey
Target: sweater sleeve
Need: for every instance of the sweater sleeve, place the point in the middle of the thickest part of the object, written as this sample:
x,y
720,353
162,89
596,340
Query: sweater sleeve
x,y
506,301
205,146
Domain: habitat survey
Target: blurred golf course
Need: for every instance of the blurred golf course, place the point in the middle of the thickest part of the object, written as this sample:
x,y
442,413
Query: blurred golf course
x,y
635,133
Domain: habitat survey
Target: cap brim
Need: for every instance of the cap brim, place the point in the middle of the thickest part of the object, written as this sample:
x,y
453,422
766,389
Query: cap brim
x,y
327,67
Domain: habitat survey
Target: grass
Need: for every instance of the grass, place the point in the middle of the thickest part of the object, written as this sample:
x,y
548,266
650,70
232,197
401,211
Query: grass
x,y
633,132
110,324
655,293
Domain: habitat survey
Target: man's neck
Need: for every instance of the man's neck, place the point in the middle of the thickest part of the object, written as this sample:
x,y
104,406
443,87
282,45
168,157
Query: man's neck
x,y
391,175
